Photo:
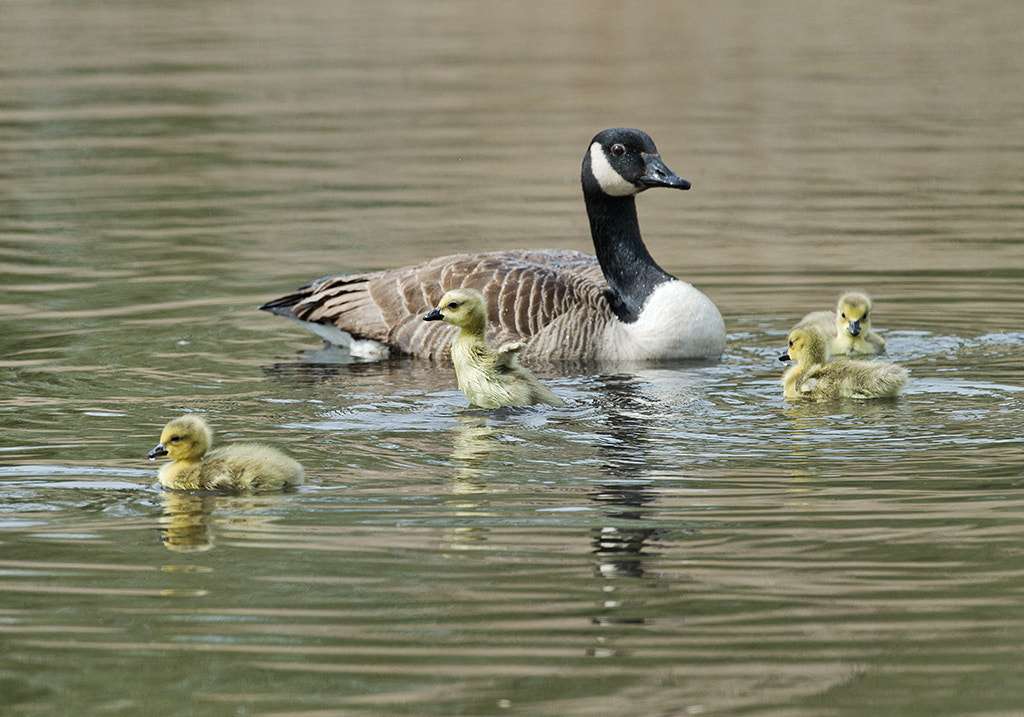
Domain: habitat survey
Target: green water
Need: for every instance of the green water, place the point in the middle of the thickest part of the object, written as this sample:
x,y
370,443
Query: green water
x,y
676,539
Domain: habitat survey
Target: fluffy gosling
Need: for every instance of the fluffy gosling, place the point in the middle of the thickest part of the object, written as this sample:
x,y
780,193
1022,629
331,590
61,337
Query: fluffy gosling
x,y
490,378
816,378
849,328
236,468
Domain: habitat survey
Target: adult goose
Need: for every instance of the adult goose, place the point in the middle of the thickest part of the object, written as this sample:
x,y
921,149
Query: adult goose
x,y
619,306
490,377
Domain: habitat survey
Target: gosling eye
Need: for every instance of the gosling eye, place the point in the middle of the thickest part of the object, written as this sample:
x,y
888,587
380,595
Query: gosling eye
x,y
791,342
843,314
174,439
453,304
618,149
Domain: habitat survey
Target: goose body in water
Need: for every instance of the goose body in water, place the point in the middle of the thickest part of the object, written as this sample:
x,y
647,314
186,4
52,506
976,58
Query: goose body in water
x,y
561,305
490,378
237,467
848,328
814,377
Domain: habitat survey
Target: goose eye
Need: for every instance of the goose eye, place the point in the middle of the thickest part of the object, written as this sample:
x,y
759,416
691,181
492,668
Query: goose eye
x,y
843,314
618,150
174,439
791,342
453,305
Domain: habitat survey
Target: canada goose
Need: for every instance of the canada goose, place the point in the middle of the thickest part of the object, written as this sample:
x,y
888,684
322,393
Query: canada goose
x,y
849,327
561,305
815,377
490,378
235,468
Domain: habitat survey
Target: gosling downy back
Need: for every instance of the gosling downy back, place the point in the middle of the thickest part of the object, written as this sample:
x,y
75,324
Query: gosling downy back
x,y
490,378
849,327
814,377
238,467
561,305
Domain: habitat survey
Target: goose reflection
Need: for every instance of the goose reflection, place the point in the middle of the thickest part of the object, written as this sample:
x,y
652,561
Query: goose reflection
x,y
621,546
332,367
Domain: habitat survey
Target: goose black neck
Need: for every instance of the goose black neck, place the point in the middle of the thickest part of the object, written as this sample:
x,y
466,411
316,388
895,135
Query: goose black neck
x,y
628,267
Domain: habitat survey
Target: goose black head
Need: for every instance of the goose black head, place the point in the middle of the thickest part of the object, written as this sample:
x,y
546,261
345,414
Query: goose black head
x,y
622,162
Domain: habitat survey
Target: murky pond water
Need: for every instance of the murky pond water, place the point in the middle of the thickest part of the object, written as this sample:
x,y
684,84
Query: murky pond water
x,y
677,539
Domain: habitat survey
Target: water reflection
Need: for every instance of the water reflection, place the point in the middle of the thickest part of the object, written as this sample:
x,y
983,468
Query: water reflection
x,y
191,522
331,367
621,545
475,439
474,442
164,175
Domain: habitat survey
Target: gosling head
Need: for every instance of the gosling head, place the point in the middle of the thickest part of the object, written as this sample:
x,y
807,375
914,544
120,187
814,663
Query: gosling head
x,y
187,437
807,345
852,313
622,162
465,308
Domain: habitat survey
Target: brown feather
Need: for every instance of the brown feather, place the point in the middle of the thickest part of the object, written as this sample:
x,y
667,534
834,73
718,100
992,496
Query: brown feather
x,y
549,299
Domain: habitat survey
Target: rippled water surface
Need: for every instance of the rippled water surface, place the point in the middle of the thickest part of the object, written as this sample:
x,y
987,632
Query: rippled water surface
x,y
677,539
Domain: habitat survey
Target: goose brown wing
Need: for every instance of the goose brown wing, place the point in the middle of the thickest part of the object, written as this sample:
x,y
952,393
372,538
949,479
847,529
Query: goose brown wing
x,y
526,291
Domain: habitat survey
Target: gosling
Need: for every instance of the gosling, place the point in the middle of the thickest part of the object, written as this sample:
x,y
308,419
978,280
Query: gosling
x,y
849,328
816,378
237,468
490,378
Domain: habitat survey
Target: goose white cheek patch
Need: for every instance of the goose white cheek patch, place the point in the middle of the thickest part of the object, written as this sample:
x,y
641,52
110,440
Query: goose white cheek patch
x,y
610,181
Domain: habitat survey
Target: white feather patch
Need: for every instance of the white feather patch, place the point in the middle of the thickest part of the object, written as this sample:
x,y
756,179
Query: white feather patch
x,y
610,181
677,321
357,348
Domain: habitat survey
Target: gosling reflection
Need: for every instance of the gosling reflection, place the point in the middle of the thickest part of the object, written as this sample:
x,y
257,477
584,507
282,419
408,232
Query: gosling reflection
x,y
473,441
186,523
190,522
473,444
477,454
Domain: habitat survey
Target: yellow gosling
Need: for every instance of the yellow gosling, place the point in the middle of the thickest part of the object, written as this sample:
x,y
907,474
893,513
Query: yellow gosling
x,y
489,377
849,328
816,378
236,468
